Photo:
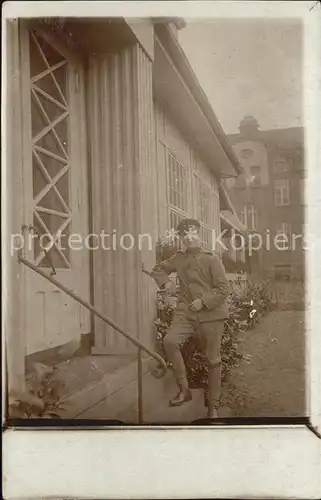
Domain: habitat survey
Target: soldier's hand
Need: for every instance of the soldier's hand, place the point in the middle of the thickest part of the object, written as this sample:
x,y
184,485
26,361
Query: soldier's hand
x,y
196,305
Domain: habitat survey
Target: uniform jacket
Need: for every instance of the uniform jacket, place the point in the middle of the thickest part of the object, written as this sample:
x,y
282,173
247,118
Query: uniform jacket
x,y
201,275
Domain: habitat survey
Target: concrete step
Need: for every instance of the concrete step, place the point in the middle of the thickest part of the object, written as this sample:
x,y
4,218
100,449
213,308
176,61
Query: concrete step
x,y
80,372
123,404
116,387
111,393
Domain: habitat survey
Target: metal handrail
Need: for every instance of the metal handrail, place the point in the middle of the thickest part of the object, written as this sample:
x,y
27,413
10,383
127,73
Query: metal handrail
x,y
90,307
158,372
33,228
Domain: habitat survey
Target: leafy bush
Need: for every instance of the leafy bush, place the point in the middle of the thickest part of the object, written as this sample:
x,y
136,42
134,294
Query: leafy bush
x,y
42,397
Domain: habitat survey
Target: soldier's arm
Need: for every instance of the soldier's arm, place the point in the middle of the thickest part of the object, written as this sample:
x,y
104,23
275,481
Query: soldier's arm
x,y
221,287
163,270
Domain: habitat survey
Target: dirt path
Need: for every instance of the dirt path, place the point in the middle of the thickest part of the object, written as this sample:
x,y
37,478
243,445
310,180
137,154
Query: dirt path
x,y
272,383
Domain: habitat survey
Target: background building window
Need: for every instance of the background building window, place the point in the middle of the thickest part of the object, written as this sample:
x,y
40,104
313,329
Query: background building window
x,y
280,165
281,192
284,229
249,217
256,175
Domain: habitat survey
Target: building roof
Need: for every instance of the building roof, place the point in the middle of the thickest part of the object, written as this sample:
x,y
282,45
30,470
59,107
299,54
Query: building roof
x,y
283,138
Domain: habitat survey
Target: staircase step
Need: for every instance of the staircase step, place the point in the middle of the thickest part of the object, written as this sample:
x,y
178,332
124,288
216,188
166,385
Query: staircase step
x,y
80,372
156,409
123,403
104,391
113,395
111,405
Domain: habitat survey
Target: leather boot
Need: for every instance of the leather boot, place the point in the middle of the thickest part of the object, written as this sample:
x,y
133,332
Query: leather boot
x,y
212,413
181,398
206,398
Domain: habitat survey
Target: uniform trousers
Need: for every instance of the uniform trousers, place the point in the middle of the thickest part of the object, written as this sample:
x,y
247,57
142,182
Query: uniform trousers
x,y
209,335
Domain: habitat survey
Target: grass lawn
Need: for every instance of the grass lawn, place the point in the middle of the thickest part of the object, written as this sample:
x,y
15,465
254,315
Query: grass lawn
x,y
272,382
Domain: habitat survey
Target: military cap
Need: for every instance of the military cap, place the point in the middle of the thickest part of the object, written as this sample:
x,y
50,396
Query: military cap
x,y
185,224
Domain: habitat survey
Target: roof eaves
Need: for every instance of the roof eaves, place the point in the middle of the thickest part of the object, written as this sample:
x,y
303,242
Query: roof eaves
x,y
233,221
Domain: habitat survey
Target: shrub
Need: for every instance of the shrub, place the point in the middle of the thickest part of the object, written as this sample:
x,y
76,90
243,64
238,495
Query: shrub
x,y
42,397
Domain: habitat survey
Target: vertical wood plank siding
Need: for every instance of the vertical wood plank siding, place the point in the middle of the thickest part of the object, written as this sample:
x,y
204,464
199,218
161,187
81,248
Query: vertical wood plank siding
x,y
148,190
124,192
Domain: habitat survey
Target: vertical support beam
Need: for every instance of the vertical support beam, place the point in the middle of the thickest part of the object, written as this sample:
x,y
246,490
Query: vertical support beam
x,y
147,189
12,211
124,193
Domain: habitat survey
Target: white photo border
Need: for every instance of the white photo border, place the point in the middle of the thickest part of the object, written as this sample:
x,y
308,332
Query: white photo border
x,y
222,462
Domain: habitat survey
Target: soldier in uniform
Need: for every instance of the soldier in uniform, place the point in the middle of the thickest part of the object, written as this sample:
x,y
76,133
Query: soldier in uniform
x,y
201,309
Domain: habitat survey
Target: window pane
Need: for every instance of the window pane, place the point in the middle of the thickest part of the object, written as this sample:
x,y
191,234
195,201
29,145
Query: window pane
x,y
205,201
278,196
255,220
177,183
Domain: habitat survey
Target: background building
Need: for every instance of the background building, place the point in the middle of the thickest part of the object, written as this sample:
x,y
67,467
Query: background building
x,y
269,196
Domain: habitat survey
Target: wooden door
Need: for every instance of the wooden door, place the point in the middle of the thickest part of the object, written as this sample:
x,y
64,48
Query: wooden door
x,y
55,188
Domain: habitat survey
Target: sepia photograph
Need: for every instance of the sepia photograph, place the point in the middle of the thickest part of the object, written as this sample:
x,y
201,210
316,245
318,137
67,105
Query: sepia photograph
x,y
160,249
156,215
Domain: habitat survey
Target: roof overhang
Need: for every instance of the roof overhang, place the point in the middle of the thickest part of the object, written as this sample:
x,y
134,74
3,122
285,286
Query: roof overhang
x,y
230,220
225,200
91,35
179,22
177,89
